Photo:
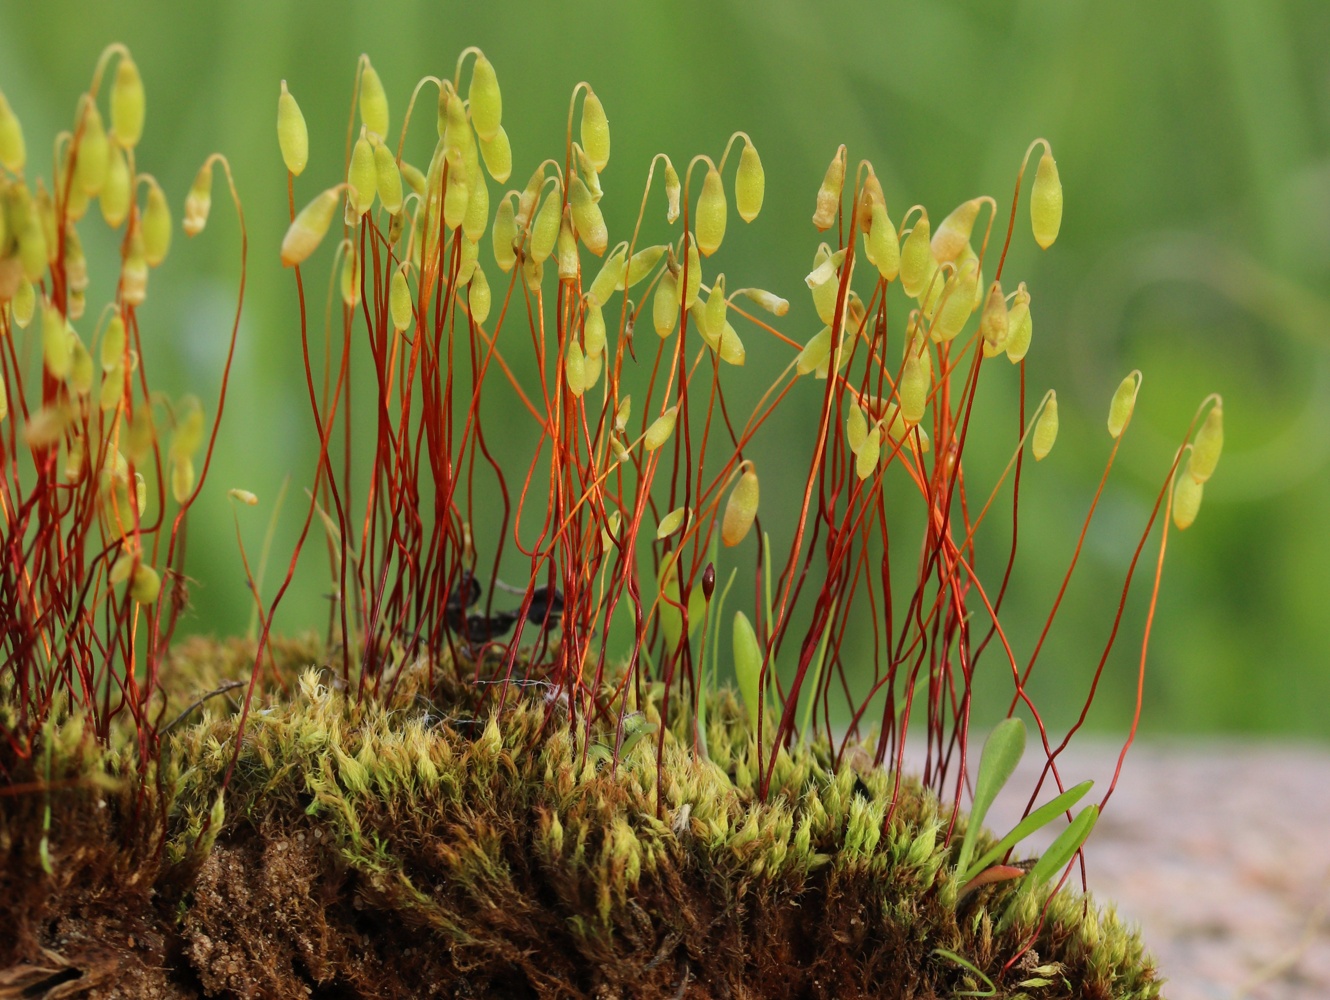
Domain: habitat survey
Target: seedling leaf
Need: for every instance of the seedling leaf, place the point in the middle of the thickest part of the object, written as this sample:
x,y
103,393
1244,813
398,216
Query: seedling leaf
x,y
1042,816
1002,752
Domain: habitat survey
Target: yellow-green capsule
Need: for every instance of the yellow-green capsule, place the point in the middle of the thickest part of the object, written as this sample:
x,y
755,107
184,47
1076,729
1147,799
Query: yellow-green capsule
x,y
769,301
1046,202
309,227
57,346
415,180
953,235
80,378
1045,428
146,585
1208,445
113,387
373,102
592,369
113,343
497,152
468,260
13,150
881,244
32,248
198,203
134,274
750,183
93,150
869,195
711,213
828,194
526,202
823,284
715,308
457,195
399,301
156,226
587,217
477,208
622,413
957,304
545,229
741,509
127,103
671,522
1019,328
595,132
478,295
730,347
1124,401
994,322
76,264
689,289
504,235
815,352
869,451
574,367
485,99
610,278
292,135
917,263
593,331
643,263
388,179
570,263
665,305
914,385
661,428
116,190
351,276
362,178
672,191
1187,495
24,303
856,427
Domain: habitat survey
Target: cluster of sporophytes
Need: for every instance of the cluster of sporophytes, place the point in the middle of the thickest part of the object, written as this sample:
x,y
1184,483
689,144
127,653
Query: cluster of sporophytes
x,y
635,513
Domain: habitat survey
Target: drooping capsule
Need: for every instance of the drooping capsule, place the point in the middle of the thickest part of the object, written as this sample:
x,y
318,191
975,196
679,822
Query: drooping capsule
x,y
917,263
1045,428
399,301
622,413
661,428
1208,445
504,235
914,385
182,479
595,131
80,378
821,281
479,297
881,244
829,194
953,234
93,150
388,179
1122,404
1046,202
1019,327
587,217
146,585
1187,495
485,99
362,178
13,150
741,509
198,202
994,322
127,103
643,263
665,305
351,276
869,195
24,303
856,427
730,347
566,250
711,213
292,135
715,310
692,279
610,278
57,348
869,451
671,522
497,152
115,195
309,227
957,303
672,191
373,102
574,367
815,352
750,183
593,331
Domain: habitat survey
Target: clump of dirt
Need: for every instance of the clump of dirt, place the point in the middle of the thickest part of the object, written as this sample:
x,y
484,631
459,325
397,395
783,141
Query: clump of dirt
x,y
429,848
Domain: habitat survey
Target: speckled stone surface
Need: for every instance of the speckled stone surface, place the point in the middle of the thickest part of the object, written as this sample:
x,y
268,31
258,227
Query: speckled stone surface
x,y
1220,851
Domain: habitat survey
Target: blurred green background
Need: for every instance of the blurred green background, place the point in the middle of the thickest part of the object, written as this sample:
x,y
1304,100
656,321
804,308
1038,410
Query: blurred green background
x,y
1191,139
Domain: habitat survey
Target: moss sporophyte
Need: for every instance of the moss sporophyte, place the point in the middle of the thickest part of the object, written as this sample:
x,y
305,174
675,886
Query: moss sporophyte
x,y
472,787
